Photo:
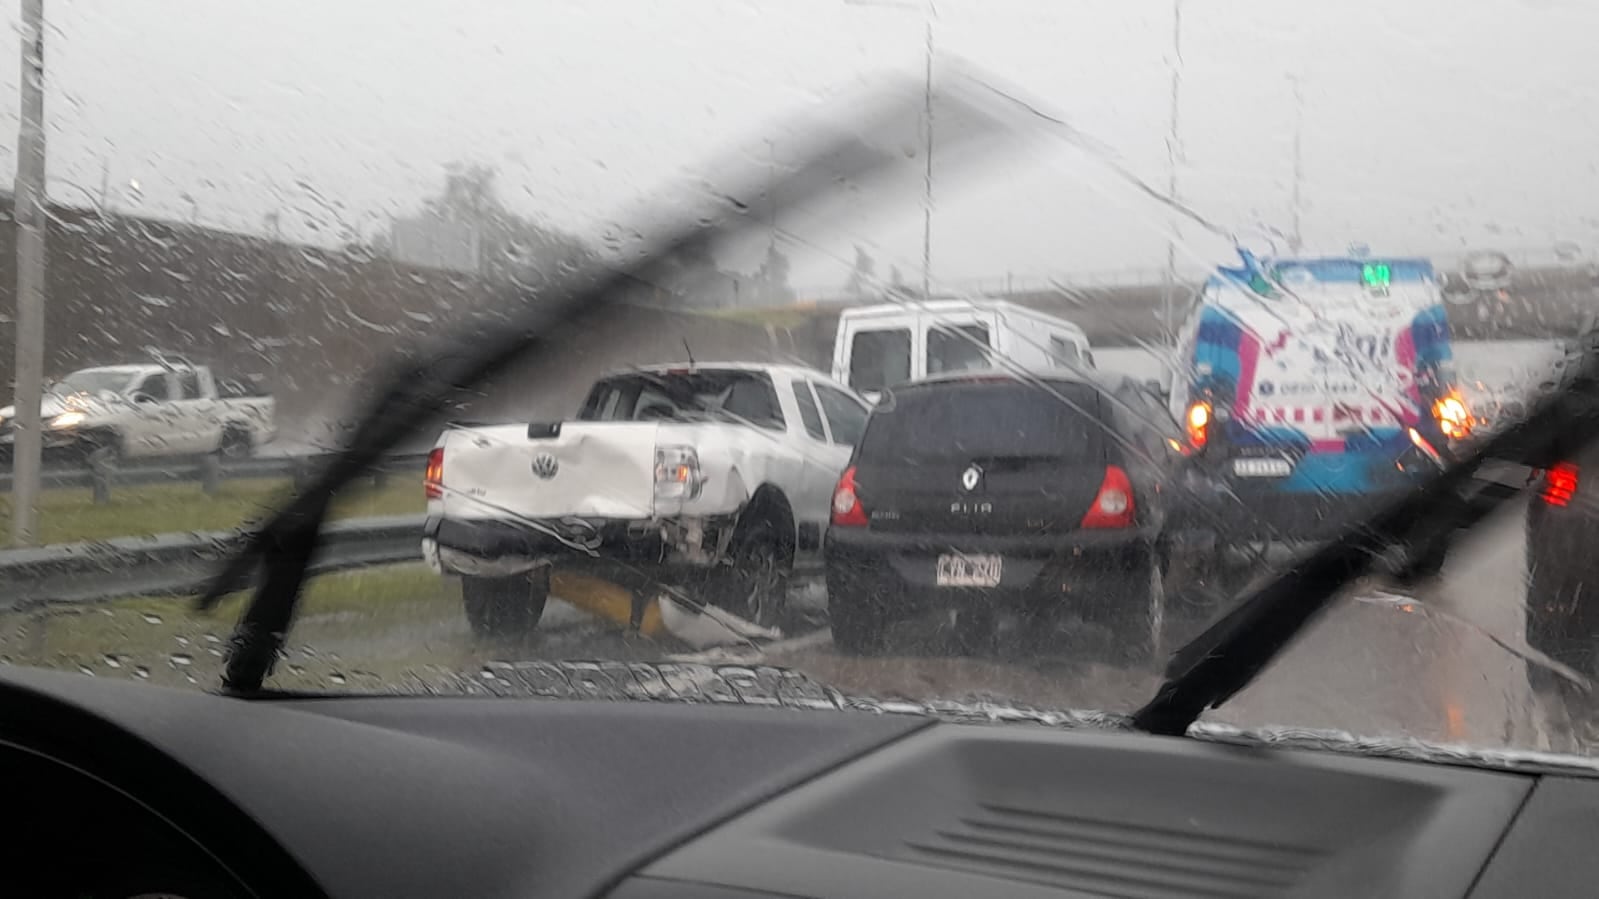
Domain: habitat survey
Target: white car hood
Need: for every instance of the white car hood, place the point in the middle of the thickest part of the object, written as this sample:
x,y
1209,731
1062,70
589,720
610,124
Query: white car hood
x,y
55,404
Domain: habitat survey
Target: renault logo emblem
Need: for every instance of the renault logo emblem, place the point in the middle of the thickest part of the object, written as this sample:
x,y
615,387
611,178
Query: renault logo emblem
x,y
970,477
545,466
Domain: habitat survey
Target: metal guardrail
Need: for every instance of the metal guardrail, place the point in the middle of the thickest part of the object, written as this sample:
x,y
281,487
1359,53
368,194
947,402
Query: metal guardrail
x,y
177,564
294,468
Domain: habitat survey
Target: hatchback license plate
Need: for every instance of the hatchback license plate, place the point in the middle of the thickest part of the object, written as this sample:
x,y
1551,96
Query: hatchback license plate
x,y
1262,468
959,570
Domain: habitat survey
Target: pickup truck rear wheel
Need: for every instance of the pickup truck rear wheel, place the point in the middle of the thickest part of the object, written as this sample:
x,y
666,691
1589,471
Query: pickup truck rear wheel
x,y
754,583
505,606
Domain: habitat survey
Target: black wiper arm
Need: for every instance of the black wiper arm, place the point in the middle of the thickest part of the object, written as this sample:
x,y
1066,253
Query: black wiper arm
x,y
1218,663
287,543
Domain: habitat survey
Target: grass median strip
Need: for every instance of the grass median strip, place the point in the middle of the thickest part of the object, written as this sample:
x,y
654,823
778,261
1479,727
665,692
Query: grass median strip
x,y
69,515
349,624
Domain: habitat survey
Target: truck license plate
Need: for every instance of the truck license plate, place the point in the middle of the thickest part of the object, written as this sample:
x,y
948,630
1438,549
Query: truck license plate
x,y
959,570
1262,468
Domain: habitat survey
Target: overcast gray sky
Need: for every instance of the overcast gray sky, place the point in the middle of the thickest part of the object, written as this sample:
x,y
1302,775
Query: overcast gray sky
x,y
1428,124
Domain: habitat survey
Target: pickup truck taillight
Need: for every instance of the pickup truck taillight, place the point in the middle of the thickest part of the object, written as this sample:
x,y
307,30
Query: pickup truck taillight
x,y
1113,506
677,472
847,509
433,477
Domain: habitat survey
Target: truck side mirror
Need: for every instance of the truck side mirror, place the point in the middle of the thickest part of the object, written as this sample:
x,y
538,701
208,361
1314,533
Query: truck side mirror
x,y
142,398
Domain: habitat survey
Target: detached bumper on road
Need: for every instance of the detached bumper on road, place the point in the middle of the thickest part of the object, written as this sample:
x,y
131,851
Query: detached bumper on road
x,y
899,570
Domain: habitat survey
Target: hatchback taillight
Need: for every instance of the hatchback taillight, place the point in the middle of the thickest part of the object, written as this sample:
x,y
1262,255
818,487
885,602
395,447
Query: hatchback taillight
x,y
1113,507
433,478
1560,484
847,509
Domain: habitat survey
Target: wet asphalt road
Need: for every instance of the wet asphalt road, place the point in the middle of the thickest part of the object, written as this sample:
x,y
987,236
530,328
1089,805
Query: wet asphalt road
x,y
1421,665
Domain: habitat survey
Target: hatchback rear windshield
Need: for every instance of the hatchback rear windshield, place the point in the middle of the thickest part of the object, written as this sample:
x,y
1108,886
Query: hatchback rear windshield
x,y
686,396
986,419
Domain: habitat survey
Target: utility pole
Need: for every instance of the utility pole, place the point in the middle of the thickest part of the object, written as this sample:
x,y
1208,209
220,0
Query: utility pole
x,y
930,12
1295,240
1173,154
927,180
29,214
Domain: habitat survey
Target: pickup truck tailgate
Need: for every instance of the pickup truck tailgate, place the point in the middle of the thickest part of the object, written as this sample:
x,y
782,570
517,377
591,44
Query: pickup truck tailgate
x,y
592,469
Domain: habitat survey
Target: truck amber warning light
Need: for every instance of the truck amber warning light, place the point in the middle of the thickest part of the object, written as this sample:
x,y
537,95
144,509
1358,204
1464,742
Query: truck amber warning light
x,y
1454,418
1198,424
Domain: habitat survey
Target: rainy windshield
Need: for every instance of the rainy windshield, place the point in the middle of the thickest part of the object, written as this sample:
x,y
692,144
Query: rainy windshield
x,y
1029,336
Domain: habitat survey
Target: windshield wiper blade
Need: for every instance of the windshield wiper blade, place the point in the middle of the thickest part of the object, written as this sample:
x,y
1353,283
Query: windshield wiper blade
x,y
1220,662
866,146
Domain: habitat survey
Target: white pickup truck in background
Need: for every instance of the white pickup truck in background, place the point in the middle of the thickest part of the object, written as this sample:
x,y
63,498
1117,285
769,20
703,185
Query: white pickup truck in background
x,y
150,410
716,479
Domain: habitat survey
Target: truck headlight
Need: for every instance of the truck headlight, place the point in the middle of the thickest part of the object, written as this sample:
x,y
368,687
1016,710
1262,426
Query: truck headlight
x,y
677,473
68,420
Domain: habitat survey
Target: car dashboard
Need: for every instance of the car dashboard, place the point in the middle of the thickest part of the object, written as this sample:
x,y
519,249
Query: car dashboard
x,y
132,790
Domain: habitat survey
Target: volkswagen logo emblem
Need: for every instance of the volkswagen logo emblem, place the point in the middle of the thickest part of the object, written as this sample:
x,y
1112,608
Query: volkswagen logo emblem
x,y
545,466
970,477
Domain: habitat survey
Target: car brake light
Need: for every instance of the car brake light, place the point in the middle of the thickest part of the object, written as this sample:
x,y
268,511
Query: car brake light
x,y
1113,506
433,478
1559,484
847,509
1454,418
1197,422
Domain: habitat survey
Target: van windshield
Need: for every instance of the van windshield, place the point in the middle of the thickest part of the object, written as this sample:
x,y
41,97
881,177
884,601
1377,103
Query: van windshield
x,y
957,348
879,359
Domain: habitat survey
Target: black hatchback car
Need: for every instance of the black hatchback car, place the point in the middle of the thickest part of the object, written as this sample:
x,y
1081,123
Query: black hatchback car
x,y
989,493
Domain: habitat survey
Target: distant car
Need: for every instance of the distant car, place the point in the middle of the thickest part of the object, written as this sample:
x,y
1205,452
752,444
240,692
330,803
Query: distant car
x,y
1562,603
160,409
976,494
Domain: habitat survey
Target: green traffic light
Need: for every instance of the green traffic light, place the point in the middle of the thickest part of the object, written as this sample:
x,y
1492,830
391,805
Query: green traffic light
x,y
1376,275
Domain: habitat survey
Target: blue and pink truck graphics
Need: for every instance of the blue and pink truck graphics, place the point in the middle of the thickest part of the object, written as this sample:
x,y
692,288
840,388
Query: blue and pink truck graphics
x,y
1314,386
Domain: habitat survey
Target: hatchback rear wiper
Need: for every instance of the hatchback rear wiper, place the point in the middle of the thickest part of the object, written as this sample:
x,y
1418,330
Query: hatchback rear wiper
x,y
1218,663
972,121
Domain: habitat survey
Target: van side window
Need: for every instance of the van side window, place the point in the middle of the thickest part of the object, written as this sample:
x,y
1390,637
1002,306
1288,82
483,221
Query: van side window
x,y
879,359
808,413
953,348
1064,352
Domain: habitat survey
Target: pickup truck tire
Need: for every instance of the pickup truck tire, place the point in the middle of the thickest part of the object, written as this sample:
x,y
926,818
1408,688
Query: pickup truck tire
x,y
505,606
754,583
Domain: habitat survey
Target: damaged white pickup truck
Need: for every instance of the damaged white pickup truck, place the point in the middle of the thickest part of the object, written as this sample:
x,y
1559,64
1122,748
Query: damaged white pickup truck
x,y
713,480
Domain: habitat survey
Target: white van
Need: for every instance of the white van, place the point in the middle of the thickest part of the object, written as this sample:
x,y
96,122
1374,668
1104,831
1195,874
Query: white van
x,y
884,345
